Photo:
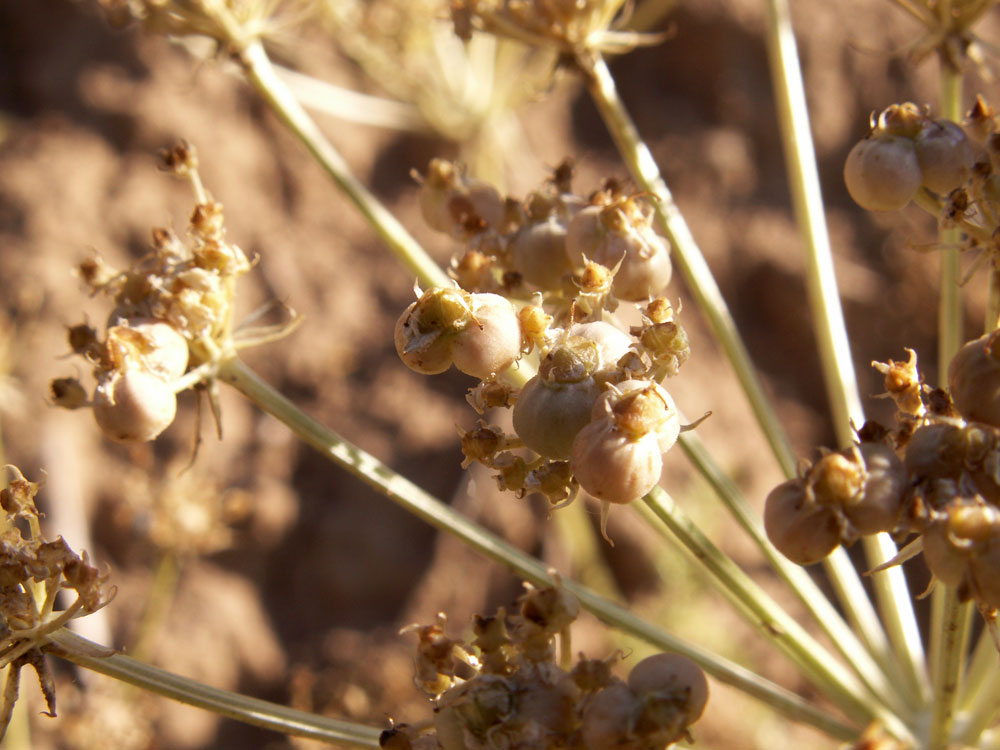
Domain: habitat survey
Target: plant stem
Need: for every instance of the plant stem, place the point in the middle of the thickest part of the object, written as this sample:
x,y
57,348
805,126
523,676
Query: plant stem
x,y
692,263
288,721
415,500
978,702
762,612
949,620
948,662
896,604
261,73
824,613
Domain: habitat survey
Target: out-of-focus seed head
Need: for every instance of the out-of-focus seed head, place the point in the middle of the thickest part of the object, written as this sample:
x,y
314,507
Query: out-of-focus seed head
x,y
608,720
157,345
882,172
974,379
538,252
68,393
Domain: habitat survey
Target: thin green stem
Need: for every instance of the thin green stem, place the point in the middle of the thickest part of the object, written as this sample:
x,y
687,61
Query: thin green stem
x,y
763,613
949,620
161,593
288,721
895,602
826,616
948,662
261,73
691,261
977,705
415,500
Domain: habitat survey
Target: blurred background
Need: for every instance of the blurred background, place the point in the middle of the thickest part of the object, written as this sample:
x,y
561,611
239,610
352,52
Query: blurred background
x,y
258,566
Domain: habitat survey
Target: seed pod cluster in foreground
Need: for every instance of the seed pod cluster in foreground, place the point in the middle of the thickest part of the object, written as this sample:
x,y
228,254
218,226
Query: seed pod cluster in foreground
x,y
505,689
535,283
933,481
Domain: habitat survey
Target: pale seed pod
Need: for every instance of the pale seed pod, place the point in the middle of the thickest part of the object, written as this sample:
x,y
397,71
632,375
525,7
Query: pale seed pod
x,y
133,405
639,407
608,719
551,411
159,346
974,380
620,237
802,530
491,341
672,676
612,344
452,203
425,331
611,465
882,172
945,154
538,251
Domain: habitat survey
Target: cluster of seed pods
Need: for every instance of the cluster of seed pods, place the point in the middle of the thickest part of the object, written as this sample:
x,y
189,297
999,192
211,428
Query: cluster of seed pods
x,y
934,479
545,276
172,310
506,689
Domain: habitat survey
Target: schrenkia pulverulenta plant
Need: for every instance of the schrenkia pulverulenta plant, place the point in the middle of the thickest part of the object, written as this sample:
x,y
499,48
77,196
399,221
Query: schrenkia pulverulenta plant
x,y
533,306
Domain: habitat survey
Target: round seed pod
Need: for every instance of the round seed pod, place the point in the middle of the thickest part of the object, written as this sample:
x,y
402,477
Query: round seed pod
x,y
882,172
427,352
539,252
935,451
945,154
865,483
639,407
953,546
611,465
160,347
612,344
802,530
133,405
620,236
491,341
608,719
674,676
550,412
974,380
450,202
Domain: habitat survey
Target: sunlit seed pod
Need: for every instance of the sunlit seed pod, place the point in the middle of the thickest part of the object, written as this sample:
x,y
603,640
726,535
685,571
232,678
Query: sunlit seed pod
x,y
608,719
549,413
803,531
427,353
612,343
538,251
974,380
160,347
612,466
491,342
133,405
626,241
639,407
674,676
882,172
945,155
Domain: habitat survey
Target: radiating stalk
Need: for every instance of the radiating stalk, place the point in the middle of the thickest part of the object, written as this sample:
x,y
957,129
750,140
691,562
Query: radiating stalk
x,y
277,718
647,175
977,705
895,602
948,660
773,623
415,500
261,73
826,616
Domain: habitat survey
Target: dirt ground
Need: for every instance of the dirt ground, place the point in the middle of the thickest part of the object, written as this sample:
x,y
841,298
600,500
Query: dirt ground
x,y
299,597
